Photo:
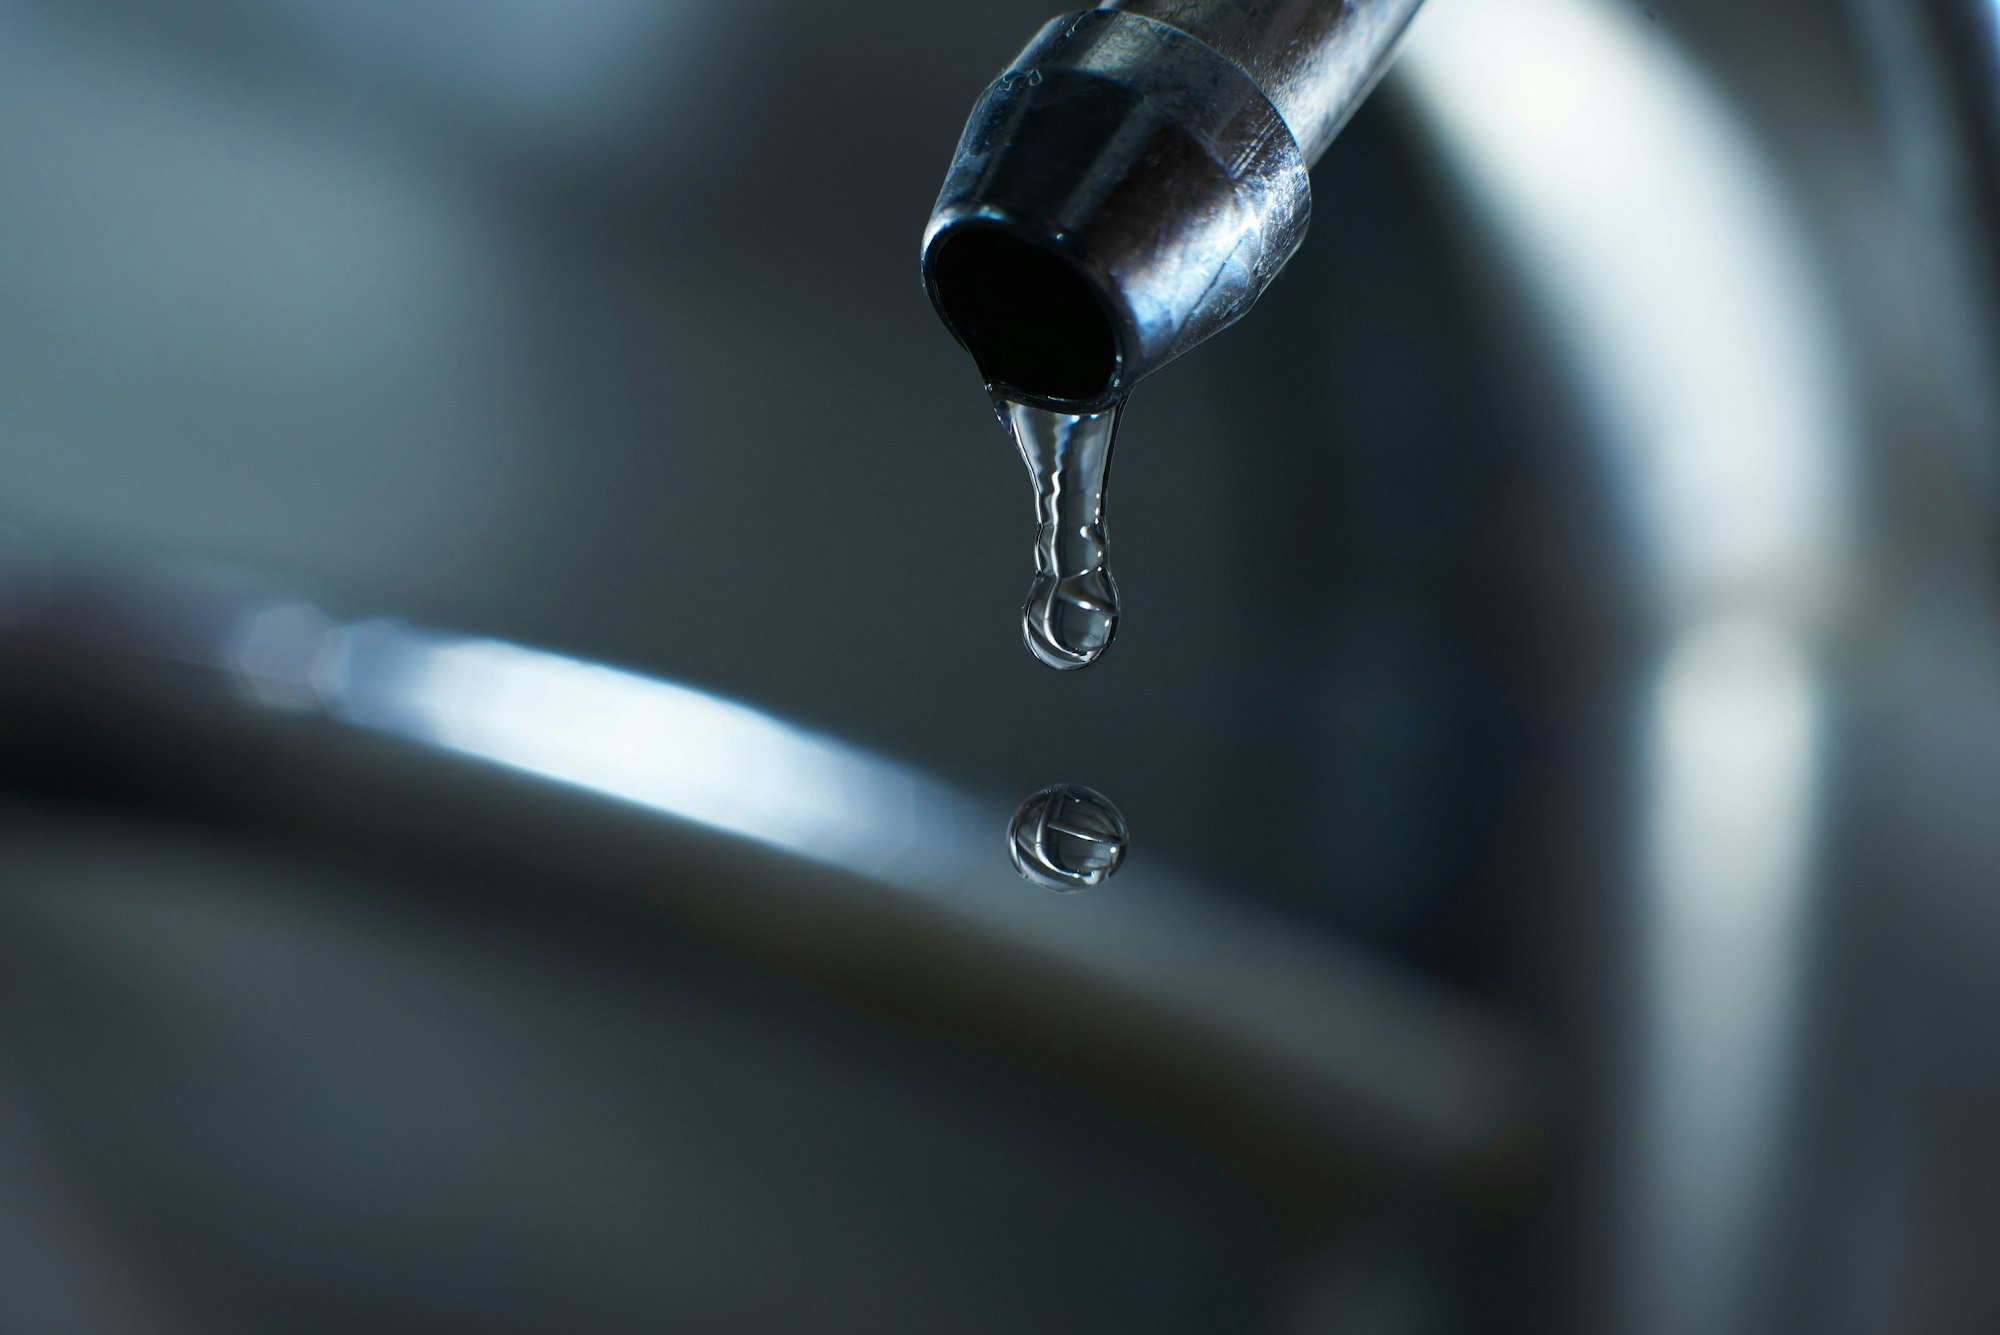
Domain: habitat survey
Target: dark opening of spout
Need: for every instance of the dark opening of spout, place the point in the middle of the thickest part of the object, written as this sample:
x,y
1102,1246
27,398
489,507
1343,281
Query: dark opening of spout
x,y
1028,316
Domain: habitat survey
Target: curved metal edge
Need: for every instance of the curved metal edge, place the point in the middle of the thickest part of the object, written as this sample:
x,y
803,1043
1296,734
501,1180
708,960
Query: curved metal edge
x,y
1176,250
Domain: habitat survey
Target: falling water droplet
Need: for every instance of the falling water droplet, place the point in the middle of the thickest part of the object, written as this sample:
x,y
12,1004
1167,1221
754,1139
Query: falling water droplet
x,y
1067,838
1071,615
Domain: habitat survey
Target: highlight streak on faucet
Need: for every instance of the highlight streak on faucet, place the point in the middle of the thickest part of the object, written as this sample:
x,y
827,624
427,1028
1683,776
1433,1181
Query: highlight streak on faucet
x,y
1658,236
642,740
1362,1050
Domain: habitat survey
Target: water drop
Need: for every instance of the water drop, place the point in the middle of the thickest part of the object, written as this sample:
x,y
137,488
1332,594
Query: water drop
x,y
1071,615
1067,838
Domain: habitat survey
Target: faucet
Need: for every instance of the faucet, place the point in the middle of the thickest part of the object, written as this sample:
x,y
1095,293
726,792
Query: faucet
x,y
1135,179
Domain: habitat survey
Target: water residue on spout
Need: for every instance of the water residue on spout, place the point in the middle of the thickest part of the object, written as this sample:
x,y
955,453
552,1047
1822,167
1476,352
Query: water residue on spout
x,y
1071,615
1067,837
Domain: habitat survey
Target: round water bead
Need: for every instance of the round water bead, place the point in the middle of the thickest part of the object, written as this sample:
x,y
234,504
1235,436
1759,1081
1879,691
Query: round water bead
x,y
1069,622
1067,838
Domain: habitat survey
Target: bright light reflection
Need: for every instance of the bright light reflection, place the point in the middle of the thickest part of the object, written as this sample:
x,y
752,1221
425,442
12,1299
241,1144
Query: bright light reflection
x,y
1736,739
1364,1039
1657,233
667,747
1658,236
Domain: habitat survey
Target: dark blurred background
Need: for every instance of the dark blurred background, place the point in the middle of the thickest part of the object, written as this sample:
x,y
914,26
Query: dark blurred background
x,y
510,694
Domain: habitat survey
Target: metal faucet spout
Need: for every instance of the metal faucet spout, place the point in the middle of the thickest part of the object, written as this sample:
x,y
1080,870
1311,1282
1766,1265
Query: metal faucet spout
x,y
1135,179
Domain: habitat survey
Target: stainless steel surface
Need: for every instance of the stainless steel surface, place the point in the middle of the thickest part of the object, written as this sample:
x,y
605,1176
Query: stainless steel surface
x,y
1135,179
1933,69
1609,169
1121,193
1314,59
1563,658
342,884
279,1088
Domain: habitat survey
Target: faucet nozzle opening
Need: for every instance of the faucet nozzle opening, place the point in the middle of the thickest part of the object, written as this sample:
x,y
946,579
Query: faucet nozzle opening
x,y
1029,317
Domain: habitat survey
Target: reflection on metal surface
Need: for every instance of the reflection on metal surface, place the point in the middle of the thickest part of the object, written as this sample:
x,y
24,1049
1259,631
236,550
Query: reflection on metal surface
x,y
1736,741
281,655
1353,1039
674,749
1157,172
1315,62
1644,216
